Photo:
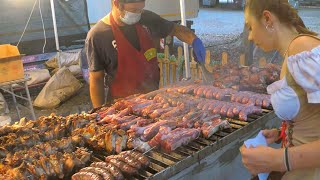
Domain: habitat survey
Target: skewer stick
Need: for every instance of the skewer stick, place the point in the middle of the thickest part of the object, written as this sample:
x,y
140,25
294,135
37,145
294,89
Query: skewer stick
x,y
161,72
208,61
180,76
242,59
149,150
193,66
224,58
167,65
174,71
262,62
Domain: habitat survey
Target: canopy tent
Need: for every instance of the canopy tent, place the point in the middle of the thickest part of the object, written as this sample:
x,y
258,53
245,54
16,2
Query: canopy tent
x,y
71,21
36,20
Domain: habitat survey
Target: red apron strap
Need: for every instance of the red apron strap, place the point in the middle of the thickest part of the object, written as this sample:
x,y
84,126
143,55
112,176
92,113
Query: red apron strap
x,y
135,73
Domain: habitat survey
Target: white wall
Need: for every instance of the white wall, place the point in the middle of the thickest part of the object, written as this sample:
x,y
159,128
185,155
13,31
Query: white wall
x,y
97,9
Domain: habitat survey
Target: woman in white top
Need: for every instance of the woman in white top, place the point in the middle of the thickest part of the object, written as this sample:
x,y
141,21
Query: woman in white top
x,y
275,25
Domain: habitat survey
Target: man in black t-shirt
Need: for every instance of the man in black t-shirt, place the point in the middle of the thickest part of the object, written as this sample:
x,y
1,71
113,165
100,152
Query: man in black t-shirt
x,y
121,54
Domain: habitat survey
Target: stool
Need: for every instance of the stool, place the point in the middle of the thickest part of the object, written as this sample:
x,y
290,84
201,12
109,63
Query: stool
x,y
8,88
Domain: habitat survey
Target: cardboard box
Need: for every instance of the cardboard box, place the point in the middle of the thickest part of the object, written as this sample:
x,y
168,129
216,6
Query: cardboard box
x,y
11,66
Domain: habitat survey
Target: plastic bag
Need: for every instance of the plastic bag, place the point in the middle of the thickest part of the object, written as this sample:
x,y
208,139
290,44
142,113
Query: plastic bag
x,y
38,76
58,89
3,106
68,58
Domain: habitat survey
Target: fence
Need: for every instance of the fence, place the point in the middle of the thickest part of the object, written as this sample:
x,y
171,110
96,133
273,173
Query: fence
x,y
172,69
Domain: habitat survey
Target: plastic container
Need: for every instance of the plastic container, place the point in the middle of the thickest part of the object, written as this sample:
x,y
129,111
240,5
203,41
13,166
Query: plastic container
x,y
11,66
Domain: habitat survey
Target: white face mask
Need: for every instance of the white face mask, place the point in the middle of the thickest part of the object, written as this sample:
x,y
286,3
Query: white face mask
x,y
130,17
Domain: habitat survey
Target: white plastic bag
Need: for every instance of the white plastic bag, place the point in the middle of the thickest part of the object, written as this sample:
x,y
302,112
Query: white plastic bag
x,y
38,76
58,89
75,69
67,58
3,106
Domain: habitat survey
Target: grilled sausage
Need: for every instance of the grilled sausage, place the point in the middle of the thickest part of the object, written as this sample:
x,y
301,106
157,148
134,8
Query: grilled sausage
x,y
101,172
266,103
125,168
138,156
127,159
116,173
86,176
230,113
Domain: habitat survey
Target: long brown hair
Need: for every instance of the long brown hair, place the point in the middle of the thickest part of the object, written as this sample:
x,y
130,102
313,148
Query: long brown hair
x,y
282,9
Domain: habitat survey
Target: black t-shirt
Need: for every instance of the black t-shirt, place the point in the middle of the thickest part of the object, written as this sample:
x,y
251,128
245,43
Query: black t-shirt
x,y
100,46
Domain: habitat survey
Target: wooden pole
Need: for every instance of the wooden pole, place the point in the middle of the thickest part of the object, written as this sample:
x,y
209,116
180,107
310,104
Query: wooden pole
x,y
174,71
166,63
262,62
224,58
208,61
160,61
178,61
242,59
193,66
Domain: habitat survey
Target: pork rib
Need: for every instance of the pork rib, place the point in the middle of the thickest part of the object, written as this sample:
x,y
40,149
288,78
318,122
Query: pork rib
x,y
179,137
209,128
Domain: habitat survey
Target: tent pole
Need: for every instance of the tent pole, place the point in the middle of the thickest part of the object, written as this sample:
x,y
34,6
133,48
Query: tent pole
x,y
185,45
56,36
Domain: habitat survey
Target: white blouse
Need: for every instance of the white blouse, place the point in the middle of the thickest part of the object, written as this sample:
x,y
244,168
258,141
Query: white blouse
x,y
305,70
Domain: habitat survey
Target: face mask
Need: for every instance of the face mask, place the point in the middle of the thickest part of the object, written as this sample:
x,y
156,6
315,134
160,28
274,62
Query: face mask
x,y
130,18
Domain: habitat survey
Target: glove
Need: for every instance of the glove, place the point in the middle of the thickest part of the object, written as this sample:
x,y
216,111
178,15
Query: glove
x,y
199,50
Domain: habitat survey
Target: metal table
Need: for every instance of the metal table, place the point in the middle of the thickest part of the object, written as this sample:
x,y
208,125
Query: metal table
x,y
8,87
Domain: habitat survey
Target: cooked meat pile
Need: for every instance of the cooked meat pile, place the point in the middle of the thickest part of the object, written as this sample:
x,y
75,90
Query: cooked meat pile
x,y
117,167
56,147
250,78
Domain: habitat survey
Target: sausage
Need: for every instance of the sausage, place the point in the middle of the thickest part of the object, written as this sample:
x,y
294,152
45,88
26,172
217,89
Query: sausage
x,y
258,102
217,109
206,106
230,112
245,100
116,173
86,176
138,156
125,168
127,159
188,90
224,110
130,160
209,94
266,103
101,172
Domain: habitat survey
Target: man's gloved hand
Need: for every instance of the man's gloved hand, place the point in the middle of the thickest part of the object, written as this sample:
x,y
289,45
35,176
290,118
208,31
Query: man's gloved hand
x,y
199,50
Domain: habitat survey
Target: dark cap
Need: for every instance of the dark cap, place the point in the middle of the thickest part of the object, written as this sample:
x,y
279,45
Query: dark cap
x,y
131,1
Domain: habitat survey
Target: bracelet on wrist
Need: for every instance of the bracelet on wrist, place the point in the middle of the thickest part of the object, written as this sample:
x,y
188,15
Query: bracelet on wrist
x,y
286,159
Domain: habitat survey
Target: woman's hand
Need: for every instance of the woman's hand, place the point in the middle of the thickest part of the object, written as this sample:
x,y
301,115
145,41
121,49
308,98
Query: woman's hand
x,y
262,159
271,135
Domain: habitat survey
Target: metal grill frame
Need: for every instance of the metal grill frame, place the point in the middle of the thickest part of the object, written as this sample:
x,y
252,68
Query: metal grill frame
x,y
212,148
166,165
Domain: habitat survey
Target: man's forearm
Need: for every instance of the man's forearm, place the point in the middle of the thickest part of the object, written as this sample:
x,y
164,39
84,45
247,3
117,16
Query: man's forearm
x,y
183,34
97,93
305,156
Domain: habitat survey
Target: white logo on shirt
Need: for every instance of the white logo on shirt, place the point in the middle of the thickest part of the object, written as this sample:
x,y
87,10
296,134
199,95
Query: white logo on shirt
x,y
147,29
114,44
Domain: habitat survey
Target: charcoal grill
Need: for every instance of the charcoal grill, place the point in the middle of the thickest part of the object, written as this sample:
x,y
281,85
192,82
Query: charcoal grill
x,y
165,165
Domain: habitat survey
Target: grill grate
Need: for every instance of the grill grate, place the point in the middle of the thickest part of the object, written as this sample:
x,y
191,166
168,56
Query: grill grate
x,y
164,165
